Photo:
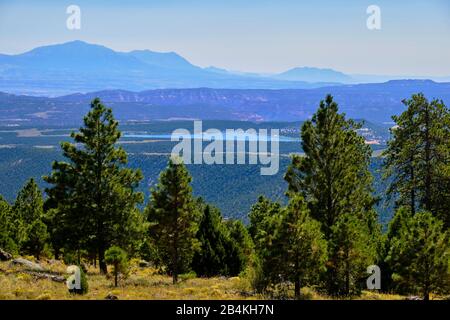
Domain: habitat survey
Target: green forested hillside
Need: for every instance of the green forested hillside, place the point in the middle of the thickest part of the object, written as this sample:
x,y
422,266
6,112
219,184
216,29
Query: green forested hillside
x,y
28,152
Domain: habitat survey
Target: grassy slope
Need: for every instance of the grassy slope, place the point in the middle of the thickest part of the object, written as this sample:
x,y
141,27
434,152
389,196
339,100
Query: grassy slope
x,y
142,283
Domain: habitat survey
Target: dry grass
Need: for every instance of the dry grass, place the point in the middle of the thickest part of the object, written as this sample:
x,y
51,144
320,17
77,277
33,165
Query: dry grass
x,y
141,284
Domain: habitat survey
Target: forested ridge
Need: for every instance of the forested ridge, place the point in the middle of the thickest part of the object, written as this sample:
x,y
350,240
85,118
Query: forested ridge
x,y
324,236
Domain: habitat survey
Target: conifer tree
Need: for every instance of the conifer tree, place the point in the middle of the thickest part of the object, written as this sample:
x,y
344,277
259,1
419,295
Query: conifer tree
x,y
7,241
333,177
28,212
265,219
210,259
242,248
260,219
94,193
418,157
353,251
419,254
303,249
118,259
174,218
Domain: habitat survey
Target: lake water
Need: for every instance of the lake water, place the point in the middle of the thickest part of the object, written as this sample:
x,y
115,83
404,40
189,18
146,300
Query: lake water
x,y
211,137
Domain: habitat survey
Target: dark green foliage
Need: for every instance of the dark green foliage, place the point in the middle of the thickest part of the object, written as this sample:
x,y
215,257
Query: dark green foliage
x,y
31,231
303,249
174,218
333,175
7,241
265,219
353,250
225,246
210,259
242,248
260,216
116,257
84,281
419,254
94,194
334,180
289,244
418,157
209,181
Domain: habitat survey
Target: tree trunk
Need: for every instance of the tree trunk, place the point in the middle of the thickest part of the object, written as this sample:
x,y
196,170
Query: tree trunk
x,y
174,277
347,271
101,261
428,177
297,289
116,271
57,252
413,186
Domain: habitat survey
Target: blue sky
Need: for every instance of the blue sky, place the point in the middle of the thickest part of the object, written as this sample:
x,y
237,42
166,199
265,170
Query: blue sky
x,y
249,35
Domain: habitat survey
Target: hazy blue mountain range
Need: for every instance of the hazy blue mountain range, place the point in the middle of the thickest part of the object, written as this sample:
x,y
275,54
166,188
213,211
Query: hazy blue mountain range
x,y
375,102
78,66
81,67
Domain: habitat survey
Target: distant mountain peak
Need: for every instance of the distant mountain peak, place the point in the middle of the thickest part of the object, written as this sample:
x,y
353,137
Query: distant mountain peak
x,y
75,44
170,59
312,74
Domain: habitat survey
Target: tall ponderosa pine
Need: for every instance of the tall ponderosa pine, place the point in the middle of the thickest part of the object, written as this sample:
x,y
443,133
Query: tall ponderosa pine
x,y
419,254
418,157
174,218
94,194
333,176
28,211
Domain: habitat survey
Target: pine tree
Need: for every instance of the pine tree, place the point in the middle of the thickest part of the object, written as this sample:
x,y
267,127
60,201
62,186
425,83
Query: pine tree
x,y
303,249
260,218
418,254
242,248
210,260
417,158
28,212
94,194
7,241
333,176
265,219
118,259
174,218
353,251
393,230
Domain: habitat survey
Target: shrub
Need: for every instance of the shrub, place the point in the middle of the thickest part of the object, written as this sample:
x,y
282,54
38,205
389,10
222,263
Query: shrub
x,y
118,259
